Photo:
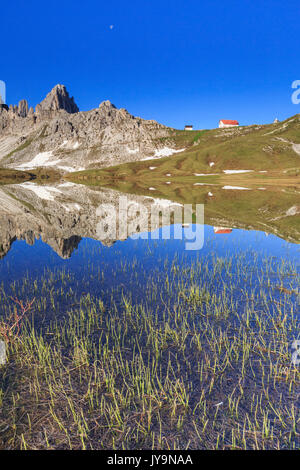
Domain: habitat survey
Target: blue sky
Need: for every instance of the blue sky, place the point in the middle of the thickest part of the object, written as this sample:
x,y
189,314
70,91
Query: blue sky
x,y
178,62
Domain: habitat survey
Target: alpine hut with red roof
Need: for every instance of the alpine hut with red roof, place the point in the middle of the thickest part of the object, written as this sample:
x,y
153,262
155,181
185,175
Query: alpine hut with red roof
x,y
222,230
228,123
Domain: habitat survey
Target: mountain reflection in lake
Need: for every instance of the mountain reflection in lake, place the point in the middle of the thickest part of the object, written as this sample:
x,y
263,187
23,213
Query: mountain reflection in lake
x,y
191,329
39,221
61,215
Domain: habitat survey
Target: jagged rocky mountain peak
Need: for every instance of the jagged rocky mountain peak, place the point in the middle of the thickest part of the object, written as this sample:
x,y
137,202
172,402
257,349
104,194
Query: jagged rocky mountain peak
x,y
59,136
23,108
107,105
58,98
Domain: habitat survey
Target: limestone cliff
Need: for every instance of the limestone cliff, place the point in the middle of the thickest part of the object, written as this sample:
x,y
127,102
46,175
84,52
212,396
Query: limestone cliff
x,y
56,134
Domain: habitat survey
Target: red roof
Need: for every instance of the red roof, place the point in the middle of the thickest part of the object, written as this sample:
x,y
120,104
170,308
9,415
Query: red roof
x,y
228,121
222,230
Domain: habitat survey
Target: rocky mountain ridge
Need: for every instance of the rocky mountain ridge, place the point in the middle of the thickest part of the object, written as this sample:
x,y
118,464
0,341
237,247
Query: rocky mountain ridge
x,y
56,134
62,214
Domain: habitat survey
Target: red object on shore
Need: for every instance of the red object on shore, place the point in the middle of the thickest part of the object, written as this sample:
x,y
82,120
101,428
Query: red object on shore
x,y
222,230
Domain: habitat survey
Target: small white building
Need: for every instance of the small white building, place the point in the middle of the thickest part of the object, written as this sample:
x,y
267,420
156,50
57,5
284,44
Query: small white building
x,y
276,121
188,127
228,123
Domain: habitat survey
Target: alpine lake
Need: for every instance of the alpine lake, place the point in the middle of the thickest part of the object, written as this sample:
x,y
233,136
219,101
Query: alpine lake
x,y
148,340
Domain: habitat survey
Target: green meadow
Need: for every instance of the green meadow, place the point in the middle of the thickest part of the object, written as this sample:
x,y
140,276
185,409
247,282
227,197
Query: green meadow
x,y
258,148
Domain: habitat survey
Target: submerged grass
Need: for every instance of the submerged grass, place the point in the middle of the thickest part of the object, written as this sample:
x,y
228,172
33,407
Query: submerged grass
x,y
194,356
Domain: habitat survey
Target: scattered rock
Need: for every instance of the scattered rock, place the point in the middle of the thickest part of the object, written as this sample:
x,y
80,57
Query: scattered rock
x,y
2,353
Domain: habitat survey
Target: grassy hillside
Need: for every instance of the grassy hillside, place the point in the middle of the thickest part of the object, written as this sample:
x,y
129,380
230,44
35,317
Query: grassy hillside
x,y
275,209
273,197
259,148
